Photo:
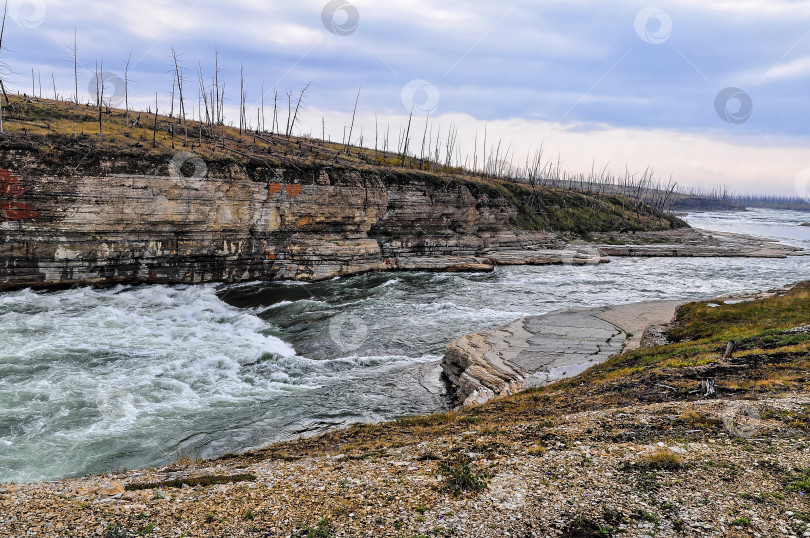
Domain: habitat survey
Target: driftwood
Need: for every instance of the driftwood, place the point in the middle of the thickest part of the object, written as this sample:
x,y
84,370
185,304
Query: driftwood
x,y
706,388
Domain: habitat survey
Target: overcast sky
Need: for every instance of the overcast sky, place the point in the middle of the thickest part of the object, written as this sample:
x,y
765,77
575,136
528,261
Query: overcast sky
x,y
712,93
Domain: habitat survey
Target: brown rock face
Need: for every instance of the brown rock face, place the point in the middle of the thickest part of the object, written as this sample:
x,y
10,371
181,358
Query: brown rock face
x,y
57,231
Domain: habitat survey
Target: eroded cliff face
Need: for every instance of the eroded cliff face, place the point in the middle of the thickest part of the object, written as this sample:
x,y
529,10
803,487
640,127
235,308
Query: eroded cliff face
x,y
317,224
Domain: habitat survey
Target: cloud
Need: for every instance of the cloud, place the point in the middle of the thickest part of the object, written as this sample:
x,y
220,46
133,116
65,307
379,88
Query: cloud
x,y
792,70
749,163
578,62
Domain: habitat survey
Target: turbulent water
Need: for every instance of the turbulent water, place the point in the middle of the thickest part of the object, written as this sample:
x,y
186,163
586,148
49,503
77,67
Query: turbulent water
x,y
95,380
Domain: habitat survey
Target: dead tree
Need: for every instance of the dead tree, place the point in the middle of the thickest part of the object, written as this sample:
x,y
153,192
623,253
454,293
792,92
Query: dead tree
x,y
204,95
75,66
297,107
179,75
274,126
357,100
289,114
99,99
407,138
154,131
171,108
2,66
262,116
241,97
126,90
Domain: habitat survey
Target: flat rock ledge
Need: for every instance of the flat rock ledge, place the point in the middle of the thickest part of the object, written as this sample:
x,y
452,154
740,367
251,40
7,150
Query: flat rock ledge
x,y
538,350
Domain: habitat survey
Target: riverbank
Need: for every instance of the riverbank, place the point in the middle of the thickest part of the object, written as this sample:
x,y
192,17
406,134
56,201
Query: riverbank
x,y
538,350
636,444
242,207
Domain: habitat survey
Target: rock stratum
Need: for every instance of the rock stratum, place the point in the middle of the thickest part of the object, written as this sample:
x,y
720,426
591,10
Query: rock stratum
x,y
165,229
231,224
310,224
538,350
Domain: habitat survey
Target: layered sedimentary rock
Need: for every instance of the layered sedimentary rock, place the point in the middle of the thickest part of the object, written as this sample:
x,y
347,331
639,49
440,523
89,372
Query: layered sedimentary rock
x,y
229,223
175,229
537,350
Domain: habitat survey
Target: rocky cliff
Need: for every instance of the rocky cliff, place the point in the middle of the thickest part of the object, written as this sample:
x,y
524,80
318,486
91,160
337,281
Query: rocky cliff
x,y
234,206
170,228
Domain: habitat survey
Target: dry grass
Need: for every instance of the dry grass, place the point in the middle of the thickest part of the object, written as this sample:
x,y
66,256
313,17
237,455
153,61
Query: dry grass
x,y
663,459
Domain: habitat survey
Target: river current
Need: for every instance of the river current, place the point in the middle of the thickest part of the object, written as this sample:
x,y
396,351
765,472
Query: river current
x,y
98,380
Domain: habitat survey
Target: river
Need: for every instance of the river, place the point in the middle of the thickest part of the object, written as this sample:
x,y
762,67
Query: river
x,y
98,380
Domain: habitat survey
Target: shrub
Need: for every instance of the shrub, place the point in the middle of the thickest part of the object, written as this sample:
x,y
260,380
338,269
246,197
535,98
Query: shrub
x,y
663,459
460,477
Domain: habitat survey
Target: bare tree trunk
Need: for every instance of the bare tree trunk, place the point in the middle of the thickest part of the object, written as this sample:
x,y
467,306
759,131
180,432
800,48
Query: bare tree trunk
x,y
180,92
154,131
289,114
297,106
424,138
126,90
2,86
241,97
485,150
204,95
75,66
99,99
53,80
349,141
216,83
407,138
274,126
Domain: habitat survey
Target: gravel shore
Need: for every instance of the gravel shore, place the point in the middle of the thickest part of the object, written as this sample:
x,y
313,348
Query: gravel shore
x,y
571,476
